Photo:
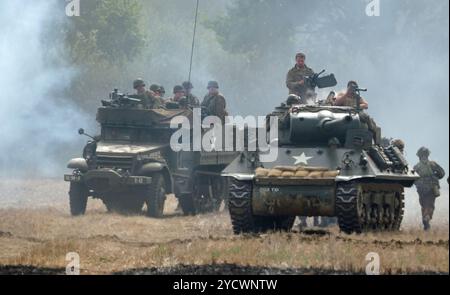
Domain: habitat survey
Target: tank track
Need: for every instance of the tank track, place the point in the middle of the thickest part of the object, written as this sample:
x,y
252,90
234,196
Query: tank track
x,y
241,213
369,207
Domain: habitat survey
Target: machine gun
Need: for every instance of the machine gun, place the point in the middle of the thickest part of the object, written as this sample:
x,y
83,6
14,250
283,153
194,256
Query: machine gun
x,y
321,82
356,91
120,100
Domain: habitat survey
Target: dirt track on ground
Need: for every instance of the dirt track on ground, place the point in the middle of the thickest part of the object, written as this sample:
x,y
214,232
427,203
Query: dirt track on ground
x,y
36,233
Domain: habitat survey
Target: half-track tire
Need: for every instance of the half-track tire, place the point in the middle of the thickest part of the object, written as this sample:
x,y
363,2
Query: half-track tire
x,y
156,197
241,213
78,197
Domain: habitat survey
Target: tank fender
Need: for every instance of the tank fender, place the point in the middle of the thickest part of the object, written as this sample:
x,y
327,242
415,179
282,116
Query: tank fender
x,y
151,168
155,167
78,164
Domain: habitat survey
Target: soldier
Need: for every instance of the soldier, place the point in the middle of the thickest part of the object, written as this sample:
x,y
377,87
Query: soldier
x,y
214,104
163,91
192,100
349,98
156,89
400,144
148,100
296,79
179,96
428,185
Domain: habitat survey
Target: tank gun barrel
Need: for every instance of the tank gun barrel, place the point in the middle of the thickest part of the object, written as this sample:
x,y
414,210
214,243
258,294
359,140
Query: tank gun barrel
x,y
329,124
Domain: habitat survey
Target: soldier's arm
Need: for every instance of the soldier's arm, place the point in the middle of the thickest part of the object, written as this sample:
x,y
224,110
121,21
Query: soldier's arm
x,y
364,104
291,82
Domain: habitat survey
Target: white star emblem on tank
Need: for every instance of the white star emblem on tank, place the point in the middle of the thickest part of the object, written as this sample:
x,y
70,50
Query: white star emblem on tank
x,y
302,159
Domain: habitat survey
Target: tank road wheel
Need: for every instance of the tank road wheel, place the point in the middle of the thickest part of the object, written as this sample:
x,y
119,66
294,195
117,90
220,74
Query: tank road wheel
x,y
156,197
242,218
369,207
78,197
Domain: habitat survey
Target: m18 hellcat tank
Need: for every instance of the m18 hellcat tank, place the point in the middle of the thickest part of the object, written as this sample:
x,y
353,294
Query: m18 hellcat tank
x,y
131,164
329,164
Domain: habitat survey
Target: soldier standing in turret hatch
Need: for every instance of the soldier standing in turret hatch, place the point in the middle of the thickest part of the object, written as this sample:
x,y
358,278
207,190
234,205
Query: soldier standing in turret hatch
x,y
296,78
428,185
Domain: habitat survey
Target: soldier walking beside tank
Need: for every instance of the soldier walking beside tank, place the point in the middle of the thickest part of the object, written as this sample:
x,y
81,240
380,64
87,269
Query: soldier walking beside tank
x,y
296,79
428,186
214,104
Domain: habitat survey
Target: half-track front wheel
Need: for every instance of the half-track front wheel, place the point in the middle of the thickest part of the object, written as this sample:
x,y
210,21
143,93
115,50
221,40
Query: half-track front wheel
x,y
78,197
156,197
369,207
241,213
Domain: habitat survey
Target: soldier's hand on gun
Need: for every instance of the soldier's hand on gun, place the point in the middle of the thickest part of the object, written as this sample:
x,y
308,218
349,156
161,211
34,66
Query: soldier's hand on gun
x,y
301,82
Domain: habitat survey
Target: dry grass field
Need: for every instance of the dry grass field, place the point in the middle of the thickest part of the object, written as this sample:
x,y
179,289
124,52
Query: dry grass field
x,y
37,231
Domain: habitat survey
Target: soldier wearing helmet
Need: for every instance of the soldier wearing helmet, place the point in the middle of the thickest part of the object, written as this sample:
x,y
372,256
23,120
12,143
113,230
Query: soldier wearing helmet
x,y
427,186
148,99
400,144
296,80
192,100
156,89
214,103
179,97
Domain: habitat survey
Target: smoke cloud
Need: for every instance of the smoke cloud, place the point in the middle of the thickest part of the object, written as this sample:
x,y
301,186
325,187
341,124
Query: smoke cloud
x,y
37,122
403,60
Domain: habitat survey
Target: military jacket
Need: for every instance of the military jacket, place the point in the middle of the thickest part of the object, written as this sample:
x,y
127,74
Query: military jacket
x,y
215,105
295,75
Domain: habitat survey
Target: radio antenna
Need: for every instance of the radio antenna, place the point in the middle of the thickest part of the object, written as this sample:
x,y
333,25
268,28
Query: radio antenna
x,y
193,40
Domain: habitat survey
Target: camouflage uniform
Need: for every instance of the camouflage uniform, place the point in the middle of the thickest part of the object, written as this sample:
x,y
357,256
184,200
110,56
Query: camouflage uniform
x,y
295,75
428,186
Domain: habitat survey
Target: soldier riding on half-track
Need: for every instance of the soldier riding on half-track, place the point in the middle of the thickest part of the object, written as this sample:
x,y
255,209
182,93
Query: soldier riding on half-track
x,y
329,164
131,163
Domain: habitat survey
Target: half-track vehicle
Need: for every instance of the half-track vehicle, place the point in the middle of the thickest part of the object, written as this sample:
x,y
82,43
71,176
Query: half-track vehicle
x,y
131,164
